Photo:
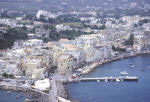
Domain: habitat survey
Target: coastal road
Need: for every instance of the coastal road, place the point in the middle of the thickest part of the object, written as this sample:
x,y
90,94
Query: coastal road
x,y
53,90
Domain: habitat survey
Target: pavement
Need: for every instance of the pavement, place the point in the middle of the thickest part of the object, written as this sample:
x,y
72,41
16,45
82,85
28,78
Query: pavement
x,y
53,91
53,88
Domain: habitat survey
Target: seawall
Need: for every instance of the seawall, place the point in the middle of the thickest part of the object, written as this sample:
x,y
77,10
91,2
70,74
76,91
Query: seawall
x,y
94,65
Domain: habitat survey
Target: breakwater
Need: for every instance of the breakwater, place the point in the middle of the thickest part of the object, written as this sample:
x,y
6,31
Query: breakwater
x,y
126,78
36,95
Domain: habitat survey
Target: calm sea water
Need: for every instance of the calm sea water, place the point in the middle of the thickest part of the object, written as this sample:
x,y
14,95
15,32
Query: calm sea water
x,y
115,91
12,97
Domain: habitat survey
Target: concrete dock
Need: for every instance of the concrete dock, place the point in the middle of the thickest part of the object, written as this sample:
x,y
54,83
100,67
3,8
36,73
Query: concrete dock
x,y
126,78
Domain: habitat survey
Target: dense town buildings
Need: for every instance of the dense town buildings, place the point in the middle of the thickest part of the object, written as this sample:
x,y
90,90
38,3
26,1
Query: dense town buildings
x,y
35,59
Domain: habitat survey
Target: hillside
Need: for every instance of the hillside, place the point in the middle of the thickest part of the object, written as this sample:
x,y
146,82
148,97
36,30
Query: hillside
x,y
28,5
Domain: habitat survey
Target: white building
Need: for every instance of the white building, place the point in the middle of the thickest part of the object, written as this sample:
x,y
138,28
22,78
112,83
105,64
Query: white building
x,y
62,27
33,42
42,84
45,14
65,64
9,69
33,69
10,22
41,32
142,41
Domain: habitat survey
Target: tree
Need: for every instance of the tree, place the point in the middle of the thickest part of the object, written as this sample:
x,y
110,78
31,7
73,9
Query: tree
x,y
130,41
118,49
19,32
42,19
24,28
135,25
30,16
5,75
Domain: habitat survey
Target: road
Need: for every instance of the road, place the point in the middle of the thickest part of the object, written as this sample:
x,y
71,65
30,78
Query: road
x,y
53,90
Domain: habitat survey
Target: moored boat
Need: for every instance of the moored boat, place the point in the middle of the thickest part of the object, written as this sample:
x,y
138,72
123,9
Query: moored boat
x,y
124,73
132,66
117,80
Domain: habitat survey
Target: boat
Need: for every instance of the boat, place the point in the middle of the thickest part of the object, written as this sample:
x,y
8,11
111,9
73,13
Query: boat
x,y
124,73
117,80
97,80
132,66
106,80
27,100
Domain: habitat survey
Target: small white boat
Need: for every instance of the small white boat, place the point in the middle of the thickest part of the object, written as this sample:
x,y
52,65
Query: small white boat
x,y
124,73
132,66
27,100
117,80
106,80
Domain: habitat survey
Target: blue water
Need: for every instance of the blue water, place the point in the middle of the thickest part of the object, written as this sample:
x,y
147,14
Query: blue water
x,y
115,91
11,97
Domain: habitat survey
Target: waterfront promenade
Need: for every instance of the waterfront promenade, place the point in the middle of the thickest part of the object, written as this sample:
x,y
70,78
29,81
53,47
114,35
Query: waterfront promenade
x,y
53,91
91,67
57,90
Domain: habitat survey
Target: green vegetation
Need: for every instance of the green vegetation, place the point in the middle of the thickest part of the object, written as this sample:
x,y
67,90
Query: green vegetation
x,y
118,49
69,34
30,16
60,20
12,35
5,43
135,25
95,27
141,22
46,91
130,40
74,24
6,14
3,25
19,32
6,75
68,19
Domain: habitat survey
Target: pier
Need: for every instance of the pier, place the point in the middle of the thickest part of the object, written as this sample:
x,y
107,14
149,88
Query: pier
x,y
126,78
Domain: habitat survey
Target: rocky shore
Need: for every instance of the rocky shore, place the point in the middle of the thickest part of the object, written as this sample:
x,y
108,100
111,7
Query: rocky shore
x,y
36,96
